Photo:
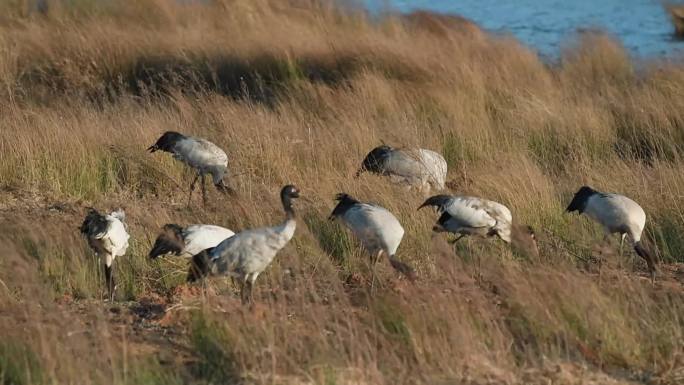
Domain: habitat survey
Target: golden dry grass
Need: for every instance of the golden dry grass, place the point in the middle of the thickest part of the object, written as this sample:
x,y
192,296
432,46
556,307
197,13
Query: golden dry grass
x,y
298,92
677,16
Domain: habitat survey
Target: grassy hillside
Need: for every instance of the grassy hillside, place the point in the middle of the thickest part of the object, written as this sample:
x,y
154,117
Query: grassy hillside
x,y
298,92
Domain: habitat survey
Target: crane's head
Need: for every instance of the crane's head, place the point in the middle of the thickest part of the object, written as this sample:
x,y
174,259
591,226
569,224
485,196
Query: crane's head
x,y
439,202
579,201
375,160
170,240
166,142
289,191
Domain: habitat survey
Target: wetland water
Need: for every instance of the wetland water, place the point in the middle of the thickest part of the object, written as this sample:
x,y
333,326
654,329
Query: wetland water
x,y
642,26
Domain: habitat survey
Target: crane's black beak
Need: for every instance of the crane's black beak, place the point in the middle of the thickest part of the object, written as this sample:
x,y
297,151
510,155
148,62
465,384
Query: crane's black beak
x,y
152,148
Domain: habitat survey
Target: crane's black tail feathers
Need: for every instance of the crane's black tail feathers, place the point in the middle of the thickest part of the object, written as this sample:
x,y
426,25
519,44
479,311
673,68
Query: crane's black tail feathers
x,y
200,265
403,268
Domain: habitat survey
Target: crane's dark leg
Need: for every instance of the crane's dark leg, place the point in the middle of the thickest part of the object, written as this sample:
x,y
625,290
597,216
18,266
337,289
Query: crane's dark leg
x,y
250,286
246,291
243,282
109,278
374,261
204,191
622,242
453,241
192,187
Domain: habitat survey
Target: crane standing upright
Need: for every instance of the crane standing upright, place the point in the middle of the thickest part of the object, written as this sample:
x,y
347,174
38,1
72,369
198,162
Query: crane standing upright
x,y
108,237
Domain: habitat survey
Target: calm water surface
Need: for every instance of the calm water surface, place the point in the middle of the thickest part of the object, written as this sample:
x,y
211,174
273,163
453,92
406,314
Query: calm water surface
x,y
642,26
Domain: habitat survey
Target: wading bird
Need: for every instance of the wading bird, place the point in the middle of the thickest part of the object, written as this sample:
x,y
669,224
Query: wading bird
x,y
376,228
200,154
246,254
617,214
188,241
465,215
419,168
107,236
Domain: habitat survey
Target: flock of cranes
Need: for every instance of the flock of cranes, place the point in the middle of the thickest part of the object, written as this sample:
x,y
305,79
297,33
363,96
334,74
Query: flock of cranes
x,y
214,250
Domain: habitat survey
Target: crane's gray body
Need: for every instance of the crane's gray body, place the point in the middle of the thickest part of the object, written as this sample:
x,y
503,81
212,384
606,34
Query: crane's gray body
x,y
375,227
420,168
246,254
617,214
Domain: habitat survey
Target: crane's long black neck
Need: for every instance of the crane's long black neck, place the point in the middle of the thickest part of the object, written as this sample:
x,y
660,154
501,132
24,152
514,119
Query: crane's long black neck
x,y
287,206
200,265
647,256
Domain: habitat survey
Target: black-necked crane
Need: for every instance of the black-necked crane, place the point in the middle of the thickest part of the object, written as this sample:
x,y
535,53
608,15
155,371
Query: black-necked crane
x,y
465,215
617,214
378,230
248,253
188,241
419,168
200,154
108,237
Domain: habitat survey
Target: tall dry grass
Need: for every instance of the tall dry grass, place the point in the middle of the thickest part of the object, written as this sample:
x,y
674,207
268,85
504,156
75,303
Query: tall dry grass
x,y
298,92
676,12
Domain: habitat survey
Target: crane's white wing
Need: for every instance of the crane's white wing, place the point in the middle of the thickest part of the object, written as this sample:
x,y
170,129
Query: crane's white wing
x,y
406,163
375,227
469,212
435,165
614,211
116,237
417,166
201,237
200,153
497,211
